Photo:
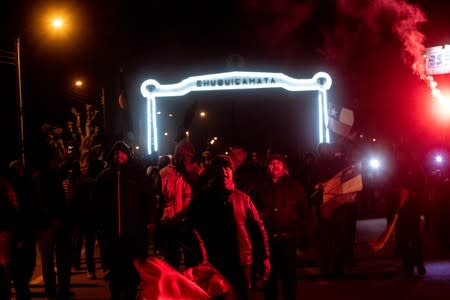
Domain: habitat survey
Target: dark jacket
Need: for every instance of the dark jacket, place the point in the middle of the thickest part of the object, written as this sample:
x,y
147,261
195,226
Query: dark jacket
x,y
124,215
52,207
84,211
282,206
223,219
246,178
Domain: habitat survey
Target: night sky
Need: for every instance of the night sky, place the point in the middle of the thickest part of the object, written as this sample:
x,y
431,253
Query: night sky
x,y
356,42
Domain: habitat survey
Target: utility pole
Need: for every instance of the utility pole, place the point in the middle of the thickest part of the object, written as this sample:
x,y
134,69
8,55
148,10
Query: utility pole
x,y
103,99
13,58
19,88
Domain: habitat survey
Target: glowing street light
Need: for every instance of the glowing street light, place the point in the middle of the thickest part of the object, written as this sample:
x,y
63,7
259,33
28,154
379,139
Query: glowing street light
x,y
57,23
79,83
202,114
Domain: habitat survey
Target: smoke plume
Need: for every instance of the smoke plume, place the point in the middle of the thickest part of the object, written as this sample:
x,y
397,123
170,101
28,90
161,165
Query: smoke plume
x,y
406,19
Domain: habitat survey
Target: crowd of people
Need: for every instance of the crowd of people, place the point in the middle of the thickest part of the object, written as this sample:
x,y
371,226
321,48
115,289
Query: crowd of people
x,y
251,215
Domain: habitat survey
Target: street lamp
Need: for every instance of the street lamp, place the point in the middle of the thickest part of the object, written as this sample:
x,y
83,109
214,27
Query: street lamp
x,y
79,83
14,58
57,23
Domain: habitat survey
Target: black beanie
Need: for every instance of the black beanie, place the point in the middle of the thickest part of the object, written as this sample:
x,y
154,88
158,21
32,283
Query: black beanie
x,y
221,161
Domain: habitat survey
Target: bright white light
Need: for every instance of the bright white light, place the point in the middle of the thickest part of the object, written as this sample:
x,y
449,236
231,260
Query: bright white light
x,y
150,124
325,109
320,82
374,163
320,117
137,147
57,23
438,158
155,130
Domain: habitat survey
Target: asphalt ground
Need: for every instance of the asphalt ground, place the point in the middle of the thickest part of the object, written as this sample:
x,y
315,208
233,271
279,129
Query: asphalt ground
x,y
380,265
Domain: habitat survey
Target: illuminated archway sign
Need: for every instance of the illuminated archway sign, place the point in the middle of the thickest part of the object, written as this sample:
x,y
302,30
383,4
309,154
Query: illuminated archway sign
x,y
152,89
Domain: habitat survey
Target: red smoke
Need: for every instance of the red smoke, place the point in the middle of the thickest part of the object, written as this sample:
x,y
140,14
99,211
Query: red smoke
x,y
405,19
356,20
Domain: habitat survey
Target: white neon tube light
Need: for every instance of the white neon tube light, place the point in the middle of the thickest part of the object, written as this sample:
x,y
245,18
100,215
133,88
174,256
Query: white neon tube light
x,y
150,121
152,89
320,116
325,114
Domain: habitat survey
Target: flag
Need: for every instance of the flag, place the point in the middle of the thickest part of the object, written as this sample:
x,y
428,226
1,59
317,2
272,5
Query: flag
x,y
384,237
162,282
124,125
382,240
340,189
122,101
341,121
125,122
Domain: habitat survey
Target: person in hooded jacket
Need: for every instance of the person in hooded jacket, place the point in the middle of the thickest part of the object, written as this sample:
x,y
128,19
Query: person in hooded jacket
x,y
123,202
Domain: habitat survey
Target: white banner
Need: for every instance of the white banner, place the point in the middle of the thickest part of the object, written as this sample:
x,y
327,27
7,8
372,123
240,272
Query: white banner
x,y
438,60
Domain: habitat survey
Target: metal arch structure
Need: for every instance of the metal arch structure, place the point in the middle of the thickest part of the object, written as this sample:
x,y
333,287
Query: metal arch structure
x,y
236,80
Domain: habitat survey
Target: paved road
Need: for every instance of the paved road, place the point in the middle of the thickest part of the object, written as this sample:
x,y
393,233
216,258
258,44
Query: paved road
x,y
375,276
82,287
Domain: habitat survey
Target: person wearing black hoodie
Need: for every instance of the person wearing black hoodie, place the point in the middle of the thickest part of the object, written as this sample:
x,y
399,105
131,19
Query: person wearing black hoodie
x,y
123,200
